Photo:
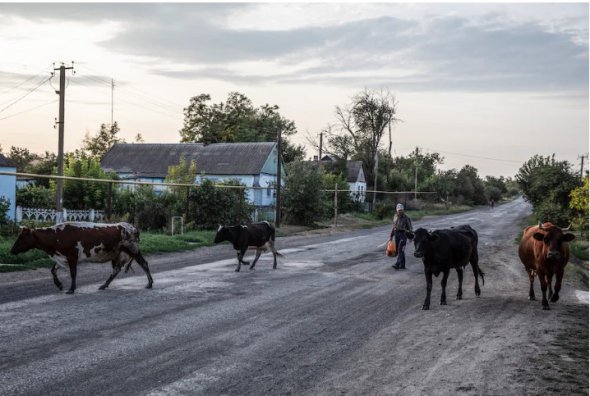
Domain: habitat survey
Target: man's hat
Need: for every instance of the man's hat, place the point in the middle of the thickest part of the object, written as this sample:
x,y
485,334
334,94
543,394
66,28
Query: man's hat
x,y
399,207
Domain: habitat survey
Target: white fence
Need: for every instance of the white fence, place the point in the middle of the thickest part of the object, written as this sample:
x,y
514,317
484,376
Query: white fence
x,y
53,216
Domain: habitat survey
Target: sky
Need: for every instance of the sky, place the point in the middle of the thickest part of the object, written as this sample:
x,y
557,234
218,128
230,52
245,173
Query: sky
x,y
485,84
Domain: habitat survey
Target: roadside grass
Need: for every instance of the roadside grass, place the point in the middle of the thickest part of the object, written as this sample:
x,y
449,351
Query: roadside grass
x,y
150,243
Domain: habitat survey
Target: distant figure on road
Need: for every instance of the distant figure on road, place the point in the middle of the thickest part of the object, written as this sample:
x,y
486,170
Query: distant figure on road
x,y
401,224
492,203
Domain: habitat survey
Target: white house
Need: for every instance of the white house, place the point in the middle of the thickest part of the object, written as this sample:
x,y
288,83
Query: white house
x,y
8,185
253,164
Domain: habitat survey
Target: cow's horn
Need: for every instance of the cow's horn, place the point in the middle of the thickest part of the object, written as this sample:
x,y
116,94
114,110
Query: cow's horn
x,y
568,227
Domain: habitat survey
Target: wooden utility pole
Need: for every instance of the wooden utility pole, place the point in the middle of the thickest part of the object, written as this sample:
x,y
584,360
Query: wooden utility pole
x,y
321,144
60,145
278,199
581,157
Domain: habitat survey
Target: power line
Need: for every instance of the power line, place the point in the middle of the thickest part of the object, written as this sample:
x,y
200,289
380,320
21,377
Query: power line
x,y
28,110
26,94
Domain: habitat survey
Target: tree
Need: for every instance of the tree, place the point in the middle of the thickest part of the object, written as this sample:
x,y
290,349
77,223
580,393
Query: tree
x,y
579,205
541,178
98,145
182,173
417,166
303,198
470,186
84,194
362,124
237,120
22,157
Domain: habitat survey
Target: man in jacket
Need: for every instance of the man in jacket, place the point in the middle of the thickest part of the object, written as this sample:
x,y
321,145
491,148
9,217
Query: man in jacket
x,y
401,224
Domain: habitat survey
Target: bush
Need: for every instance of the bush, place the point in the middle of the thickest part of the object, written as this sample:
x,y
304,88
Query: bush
x,y
210,205
4,207
304,201
384,210
33,196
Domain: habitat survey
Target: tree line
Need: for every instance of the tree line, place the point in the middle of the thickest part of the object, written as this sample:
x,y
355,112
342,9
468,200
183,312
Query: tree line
x,y
360,130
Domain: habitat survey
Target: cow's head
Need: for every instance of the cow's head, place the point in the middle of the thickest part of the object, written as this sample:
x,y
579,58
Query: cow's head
x,y
221,234
422,241
24,242
553,237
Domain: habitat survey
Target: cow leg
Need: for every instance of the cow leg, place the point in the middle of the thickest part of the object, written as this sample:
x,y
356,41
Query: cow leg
x,y
55,278
428,276
116,269
258,253
532,281
144,266
474,260
73,264
549,285
241,259
543,280
460,289
558,279
443,283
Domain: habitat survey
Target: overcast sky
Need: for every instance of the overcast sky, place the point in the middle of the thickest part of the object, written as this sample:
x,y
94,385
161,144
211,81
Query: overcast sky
x,y
485,84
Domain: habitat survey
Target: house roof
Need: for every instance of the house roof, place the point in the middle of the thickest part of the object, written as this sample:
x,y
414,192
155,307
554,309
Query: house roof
x,y
153,159
352,170
6,162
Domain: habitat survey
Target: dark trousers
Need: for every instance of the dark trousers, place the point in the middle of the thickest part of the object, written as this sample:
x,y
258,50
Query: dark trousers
x,y
400,244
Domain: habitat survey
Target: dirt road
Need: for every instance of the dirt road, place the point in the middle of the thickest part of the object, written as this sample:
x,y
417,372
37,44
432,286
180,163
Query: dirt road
x,y
335,318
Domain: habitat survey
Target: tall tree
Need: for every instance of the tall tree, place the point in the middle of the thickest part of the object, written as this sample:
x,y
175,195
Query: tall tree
x,y
362,124
237,120
22,157
99,144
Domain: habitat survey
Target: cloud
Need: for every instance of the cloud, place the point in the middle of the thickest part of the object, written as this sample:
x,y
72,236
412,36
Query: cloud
x,y
442,51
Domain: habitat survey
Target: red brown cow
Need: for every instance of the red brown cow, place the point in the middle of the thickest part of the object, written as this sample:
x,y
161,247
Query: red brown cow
x,y
544,251
70,243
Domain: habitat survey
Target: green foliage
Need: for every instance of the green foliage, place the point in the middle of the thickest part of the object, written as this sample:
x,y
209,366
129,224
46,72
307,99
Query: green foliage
x,y
210,205
384,210
182,173
470,186
4,207
22,157
96,146
237,120
546,183
362,124
403,174
35,196
579,206
146,208
303,201
84,194
331,180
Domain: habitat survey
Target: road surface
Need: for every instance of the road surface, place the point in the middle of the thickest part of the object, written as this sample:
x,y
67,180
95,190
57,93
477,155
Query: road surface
x,y
334,318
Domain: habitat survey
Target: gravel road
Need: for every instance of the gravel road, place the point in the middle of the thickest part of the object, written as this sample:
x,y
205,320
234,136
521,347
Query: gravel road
x,y
334,318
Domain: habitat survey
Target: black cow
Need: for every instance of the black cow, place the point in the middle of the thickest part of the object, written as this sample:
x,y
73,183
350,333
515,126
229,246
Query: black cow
x,y
258,235
442,250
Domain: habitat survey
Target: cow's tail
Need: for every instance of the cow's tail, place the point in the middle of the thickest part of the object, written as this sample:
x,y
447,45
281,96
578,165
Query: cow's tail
x,y
481,274
272,240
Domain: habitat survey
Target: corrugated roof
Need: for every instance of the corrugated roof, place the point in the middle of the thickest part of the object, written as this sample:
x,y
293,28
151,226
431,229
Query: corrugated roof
x,y
153,160
6,162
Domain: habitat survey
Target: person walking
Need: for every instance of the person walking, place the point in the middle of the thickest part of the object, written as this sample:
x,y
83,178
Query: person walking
x,y
401,224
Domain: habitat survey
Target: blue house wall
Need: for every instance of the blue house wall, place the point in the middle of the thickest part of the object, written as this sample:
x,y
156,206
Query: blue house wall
x,y
8,190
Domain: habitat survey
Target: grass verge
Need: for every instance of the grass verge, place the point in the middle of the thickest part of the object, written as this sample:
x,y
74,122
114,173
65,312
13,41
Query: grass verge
x,y
150,243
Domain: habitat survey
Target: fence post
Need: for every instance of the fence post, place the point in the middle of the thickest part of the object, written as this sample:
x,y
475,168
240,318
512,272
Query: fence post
x,y
109,202
188,193
19,214
91,215
336,205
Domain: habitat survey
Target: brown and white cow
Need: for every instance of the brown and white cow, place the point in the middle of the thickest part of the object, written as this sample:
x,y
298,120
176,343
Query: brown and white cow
x,y
544,251
71,243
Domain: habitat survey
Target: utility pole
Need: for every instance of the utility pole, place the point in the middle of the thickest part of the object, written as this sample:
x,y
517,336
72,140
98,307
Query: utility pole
x,y
416,183
321,144
376,172
60,145
278,199
581,157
